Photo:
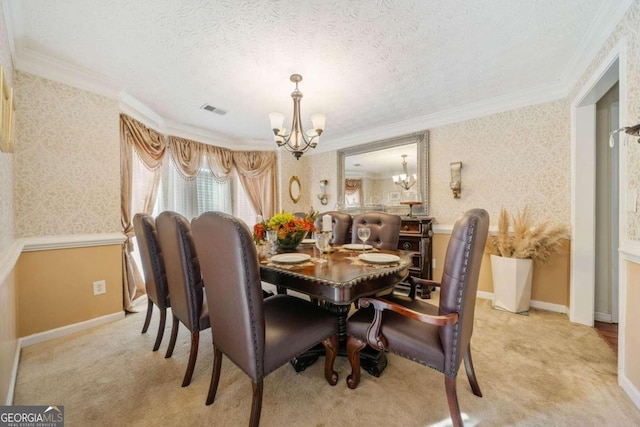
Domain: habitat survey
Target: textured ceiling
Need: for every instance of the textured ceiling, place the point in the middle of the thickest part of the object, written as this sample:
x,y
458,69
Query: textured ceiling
x,y
366,64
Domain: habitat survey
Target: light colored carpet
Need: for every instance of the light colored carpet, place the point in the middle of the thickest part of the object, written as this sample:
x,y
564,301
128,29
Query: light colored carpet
x,y
536,370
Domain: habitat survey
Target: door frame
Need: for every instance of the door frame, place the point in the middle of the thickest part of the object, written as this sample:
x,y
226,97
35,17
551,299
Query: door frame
x,y
582,283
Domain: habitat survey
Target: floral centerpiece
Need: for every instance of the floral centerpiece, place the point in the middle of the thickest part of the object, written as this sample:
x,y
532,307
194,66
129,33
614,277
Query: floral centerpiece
x,y
291,230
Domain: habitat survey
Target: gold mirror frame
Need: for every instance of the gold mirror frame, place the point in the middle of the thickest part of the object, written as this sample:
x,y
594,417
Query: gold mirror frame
x,y
292,181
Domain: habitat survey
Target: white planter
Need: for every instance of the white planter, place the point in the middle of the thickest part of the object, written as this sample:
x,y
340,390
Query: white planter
x,y
511,283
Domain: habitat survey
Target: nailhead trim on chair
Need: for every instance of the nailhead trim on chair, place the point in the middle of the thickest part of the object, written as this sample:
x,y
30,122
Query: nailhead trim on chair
x,y
245,262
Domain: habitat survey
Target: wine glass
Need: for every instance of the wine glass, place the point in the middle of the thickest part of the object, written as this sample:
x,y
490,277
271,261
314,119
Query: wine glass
x,y
322,243
363,234
272,238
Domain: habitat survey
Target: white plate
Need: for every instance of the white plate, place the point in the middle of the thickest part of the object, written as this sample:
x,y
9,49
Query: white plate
x,y
290,258
308,241
375,258
356,246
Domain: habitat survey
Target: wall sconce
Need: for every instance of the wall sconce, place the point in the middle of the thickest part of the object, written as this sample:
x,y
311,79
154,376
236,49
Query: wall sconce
x,y
456,179
629,130
323,192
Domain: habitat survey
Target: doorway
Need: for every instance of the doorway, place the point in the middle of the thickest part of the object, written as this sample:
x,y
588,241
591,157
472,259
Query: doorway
x,y
583,189
607,202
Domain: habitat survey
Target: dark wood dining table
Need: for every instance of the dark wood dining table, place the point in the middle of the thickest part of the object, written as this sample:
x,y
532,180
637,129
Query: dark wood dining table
x,y
336,284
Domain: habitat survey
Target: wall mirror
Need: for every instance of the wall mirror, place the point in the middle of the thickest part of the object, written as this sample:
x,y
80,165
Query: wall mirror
x,y
294,189
371,167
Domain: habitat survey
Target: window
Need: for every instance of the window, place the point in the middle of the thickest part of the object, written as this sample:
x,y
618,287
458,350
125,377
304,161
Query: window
x,y
201,194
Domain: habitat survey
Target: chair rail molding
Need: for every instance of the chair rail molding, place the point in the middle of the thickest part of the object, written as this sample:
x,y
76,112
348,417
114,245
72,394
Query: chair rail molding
x,y
45,243
630,251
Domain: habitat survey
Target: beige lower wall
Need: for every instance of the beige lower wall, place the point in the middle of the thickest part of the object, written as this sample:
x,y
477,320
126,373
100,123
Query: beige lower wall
x,y
8,333
631,330
550,282
55,287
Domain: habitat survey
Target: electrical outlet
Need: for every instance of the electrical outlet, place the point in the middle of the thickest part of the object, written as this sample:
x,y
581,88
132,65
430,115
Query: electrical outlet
x,y
433,263
99,287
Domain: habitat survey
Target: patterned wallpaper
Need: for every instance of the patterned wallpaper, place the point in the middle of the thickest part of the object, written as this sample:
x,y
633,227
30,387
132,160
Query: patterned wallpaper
x,y
289,167
629,29
67,160
6,160
512,159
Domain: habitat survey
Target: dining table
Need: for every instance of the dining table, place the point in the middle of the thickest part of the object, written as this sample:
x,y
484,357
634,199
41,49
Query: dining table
x,y
336,280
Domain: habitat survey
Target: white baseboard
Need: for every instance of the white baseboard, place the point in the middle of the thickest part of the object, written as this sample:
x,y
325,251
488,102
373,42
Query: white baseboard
x,y
49,335
69,329
630,389
602,317
484,295
541,305
557,308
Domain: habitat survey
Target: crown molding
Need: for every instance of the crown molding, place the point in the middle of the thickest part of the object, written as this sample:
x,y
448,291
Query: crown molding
x,y
499,104
600,30
41,65
139,111
53,69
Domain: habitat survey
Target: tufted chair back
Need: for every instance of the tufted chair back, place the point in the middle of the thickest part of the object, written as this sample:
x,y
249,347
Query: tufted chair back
x,y
340,224
385,229
438,337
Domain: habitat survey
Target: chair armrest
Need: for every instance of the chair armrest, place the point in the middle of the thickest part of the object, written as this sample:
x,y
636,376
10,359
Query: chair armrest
x,y
378,341
413,283
423,282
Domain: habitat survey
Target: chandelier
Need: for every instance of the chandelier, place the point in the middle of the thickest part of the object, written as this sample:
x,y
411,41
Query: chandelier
x,y
296,141
405,180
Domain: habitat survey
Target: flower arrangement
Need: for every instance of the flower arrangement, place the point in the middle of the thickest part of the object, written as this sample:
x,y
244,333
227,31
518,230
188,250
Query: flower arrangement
x,y
291,230
528,241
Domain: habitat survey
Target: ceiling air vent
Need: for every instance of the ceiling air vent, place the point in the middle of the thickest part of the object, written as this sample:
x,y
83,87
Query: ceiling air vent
x,y
213,109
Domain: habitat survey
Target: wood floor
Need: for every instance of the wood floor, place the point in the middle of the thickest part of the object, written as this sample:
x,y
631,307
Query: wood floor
x,y
608,332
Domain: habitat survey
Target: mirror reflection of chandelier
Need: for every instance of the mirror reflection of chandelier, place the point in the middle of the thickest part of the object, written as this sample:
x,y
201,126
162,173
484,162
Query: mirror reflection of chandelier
x,y
297,141
405,180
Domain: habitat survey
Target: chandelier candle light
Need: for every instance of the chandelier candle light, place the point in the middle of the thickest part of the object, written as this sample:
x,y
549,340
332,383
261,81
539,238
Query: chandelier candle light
x,y
326,223
405,180
297,141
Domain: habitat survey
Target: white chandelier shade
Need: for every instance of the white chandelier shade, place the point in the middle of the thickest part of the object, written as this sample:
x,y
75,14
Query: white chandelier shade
x,y
297,141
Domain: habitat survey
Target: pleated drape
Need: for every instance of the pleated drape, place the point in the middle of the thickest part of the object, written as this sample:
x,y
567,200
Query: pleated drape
x,y
256,170
186,155
150,148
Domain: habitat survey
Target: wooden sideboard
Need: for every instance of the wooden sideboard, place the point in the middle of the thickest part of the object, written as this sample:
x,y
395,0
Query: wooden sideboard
x,y
416,236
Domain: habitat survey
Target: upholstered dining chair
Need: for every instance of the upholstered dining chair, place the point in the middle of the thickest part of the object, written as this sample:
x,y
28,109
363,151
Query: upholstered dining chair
x,y
155,276
188,302
258,335
438,337
385,229
340,226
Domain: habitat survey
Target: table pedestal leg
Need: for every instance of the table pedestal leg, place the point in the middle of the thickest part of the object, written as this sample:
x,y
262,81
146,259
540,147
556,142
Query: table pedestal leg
x,y
371,360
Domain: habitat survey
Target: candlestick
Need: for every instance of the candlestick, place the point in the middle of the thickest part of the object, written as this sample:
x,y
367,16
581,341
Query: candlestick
x,y
326,223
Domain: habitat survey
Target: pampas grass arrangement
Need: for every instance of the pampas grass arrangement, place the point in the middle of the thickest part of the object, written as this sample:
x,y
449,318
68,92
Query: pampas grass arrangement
x,y
535,241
